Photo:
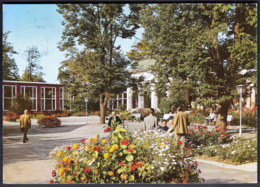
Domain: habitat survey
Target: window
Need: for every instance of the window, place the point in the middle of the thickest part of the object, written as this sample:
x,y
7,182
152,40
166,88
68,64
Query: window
x,y
65,100
48,100
9,94
30,92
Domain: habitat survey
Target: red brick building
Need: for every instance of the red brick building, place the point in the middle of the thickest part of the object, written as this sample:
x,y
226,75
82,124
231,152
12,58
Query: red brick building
x,y
44,96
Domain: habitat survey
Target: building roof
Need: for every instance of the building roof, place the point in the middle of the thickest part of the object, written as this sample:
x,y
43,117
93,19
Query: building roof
x,y
29,82
143,65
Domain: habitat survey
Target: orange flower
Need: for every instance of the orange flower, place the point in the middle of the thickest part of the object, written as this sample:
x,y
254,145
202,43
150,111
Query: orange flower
x,y
123,177
111,173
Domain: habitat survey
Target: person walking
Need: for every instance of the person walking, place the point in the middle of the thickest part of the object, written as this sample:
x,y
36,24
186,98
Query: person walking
x,y
25,124
180,126
150,122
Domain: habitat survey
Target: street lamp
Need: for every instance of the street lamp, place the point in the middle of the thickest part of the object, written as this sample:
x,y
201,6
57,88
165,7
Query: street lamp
x,y
86,100
240,90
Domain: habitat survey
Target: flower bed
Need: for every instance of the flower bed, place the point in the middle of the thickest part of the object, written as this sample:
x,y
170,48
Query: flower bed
x,y
10,117
124,158
199,135
239,151
49,122
248,117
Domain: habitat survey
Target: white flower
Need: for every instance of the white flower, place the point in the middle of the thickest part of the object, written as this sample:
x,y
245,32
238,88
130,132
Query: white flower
x,y
249,145
233,152
162,168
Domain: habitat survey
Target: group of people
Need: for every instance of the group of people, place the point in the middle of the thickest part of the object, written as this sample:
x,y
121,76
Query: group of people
x,y
178,123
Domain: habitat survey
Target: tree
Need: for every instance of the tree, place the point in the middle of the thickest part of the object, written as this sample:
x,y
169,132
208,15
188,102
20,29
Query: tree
x,y
101,67
34,77
201,45
33,70
10,70
20,104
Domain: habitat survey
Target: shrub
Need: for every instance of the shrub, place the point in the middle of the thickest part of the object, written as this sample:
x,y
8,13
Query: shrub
x,y
197,116
49,122
20,104
239,151
248,117
123,158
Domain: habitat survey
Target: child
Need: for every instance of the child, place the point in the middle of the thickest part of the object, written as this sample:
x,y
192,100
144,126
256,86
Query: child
x,y
164,125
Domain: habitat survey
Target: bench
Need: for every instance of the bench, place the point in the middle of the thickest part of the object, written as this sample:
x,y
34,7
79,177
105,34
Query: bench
x,y
165,116
136,115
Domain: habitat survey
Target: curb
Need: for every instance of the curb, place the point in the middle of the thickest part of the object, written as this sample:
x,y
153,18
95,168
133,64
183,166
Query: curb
x,y
250,167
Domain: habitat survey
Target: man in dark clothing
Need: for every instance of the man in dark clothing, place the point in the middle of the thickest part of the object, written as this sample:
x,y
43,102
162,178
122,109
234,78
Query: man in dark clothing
x,y
164,125
114,118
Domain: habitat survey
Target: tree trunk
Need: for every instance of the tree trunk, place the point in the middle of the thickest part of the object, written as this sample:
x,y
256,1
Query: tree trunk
x,y
221,120
102,104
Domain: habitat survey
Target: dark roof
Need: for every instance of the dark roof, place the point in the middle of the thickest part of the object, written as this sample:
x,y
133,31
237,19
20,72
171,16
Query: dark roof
x,y
143,65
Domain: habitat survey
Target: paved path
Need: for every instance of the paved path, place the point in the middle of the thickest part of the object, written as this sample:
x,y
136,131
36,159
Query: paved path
x,y
29,163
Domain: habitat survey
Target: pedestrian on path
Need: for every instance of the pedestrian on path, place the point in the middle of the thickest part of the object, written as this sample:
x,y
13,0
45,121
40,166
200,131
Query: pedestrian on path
x,y
150,122
25,124
180,126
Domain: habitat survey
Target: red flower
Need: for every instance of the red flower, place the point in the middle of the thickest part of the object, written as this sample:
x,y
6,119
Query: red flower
x,y
196,163
179,142
74,173
204,127
133,167
138,163
68,148
217,131
172,179
189,168
83,141
210,134
53,173
124,142
107,129
130,150
121,163
86,170
223,133
51,181
184,181
190,148
97,148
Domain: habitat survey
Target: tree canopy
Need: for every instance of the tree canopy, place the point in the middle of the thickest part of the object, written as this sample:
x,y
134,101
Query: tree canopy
x,y
101,67
205,46
10,69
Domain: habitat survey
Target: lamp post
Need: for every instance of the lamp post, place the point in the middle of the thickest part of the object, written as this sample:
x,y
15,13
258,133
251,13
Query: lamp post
x,y
240,90
86,100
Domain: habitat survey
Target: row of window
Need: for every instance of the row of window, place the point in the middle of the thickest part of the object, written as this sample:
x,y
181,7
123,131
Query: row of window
x,y
48,97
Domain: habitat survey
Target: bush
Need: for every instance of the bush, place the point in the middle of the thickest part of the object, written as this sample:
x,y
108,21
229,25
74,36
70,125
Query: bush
x,y
199,135
49,122
20,104
197,116
239,151
248,117
124,158
164,105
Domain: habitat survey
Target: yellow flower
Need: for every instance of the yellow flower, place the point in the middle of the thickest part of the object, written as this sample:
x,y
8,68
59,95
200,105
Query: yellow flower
x,y
61,171
115,146
97,135
131,146
88,147
102,148
75,146
59,154
65,159
95,172
106,155
111,173
111,150
104,141
74,153
95,140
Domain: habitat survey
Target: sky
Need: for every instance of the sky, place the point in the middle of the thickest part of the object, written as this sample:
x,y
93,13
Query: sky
x,y
40,25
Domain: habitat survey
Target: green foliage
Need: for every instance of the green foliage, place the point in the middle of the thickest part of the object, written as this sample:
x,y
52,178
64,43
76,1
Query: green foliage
x,y
79,105
239,151
101,67
33,71
10,70
164,105
198,117
248,117
201,45
20,104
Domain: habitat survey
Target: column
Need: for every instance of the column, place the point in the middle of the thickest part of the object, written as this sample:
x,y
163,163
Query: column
x,y
38,98
140,100
154,99
253,99
122,101
57,98
129,103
